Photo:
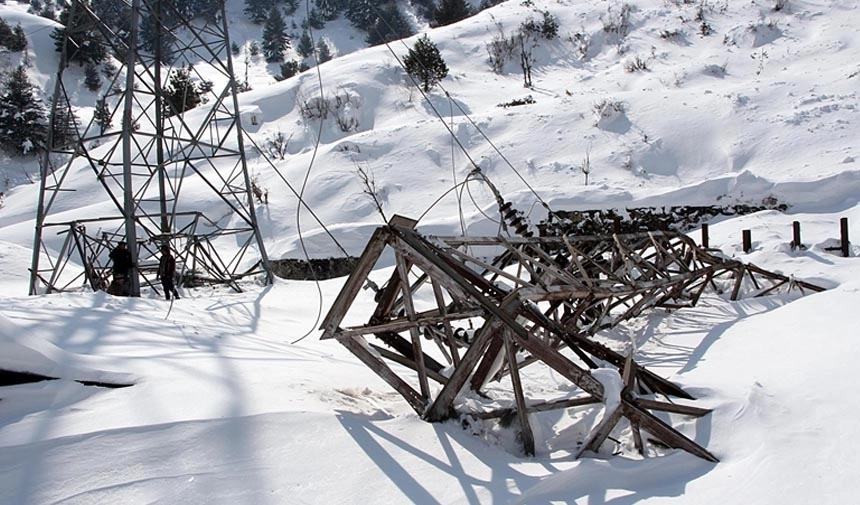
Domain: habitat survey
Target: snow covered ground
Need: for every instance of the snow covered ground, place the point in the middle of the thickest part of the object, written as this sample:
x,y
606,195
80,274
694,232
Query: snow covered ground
x,y
226,408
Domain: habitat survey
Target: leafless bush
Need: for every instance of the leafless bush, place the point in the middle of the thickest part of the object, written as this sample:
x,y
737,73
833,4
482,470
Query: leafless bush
x,y
275,144
608,107
585,166
501,49
261,195
582,41
368,182
780,5
341,105
617,22
636,64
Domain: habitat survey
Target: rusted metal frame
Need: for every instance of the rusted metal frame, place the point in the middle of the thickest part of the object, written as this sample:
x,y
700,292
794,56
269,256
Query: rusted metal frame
x,y
524,262
774,275
353,284
552,266
442,407
637,437
738,281
418,353
575,254
358,346
490,268
664,432
637,260
602,430
482,372
774,287
554,329
675,408
446,324
537,407
527,436
561,364
401,324
408,363
436,336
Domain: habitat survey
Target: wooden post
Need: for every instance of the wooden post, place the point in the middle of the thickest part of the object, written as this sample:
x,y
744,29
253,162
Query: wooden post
x,y
705,235
747,234
843,232
616,225
796,243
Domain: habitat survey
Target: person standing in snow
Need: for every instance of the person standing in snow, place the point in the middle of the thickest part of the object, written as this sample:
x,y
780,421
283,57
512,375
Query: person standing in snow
x,y
121,258
167,273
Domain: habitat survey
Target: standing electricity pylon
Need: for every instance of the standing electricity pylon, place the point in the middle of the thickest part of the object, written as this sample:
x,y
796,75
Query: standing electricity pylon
x,y
172,171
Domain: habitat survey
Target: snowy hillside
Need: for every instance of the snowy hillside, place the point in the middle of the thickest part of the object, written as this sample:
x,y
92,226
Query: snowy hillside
x,y
235,399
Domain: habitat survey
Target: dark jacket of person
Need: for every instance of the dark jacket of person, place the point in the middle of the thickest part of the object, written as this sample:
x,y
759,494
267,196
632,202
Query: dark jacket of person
x,y
121,258
167,266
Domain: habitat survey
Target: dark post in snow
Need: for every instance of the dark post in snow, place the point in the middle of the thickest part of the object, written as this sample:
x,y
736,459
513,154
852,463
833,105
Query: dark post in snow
x,y
616,225
843,232
796,243
747,234
705,235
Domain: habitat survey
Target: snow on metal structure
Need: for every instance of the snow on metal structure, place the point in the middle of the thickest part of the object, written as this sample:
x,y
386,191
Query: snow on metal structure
x,y
530,300
149,161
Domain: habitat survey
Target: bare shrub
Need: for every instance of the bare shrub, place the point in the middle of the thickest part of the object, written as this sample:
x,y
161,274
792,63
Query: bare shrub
x,y
341,105
636,64
501,49
275,144
617,21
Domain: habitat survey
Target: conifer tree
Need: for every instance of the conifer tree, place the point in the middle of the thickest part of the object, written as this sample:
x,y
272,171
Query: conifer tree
x,y
181,94
450,11
258,10
19,39
323,52
156,39
101,115
425,63
328,9
390,24
85,45
5,33
23,122
275,40
92,80
64,124
306,45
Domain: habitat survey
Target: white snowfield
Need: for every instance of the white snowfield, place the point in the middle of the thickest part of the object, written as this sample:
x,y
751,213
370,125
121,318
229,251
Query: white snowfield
x,y
235,400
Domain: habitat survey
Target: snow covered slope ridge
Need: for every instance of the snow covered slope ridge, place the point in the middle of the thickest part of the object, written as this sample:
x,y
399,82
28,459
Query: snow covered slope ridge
x,y
676,102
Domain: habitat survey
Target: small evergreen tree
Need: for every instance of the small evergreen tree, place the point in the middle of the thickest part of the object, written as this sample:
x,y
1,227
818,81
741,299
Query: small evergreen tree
x,y
156,39
306,45
275,40
328,9
288,69
92,80
323,52
258,10
315,20
19,39
450,11
85,45
23,123
234,48
390,25
101,115
425,63
5,33
181,94
290,6
64,124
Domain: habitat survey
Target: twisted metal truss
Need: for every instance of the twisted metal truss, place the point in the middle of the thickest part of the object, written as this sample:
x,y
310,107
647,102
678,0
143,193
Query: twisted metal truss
x,y
531,300
144,163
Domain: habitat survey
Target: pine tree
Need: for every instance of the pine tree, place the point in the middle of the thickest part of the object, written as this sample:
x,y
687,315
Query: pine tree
x,y
288,69
153,35
328,9
85,45
323,52
450,11
425,63
390,25
181,94
306,45
5,33
92,80
19,39
64,124
23,123
275,40
258,10
101,115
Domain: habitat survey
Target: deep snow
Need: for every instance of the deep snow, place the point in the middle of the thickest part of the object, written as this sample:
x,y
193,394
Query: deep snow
x,y
226,409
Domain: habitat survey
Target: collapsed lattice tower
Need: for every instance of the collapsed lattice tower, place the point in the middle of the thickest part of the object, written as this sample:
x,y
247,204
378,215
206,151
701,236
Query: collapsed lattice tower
x,y
530,300
147,160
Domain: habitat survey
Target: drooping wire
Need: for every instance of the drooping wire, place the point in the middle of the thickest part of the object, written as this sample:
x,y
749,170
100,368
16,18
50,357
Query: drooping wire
x,y
544,204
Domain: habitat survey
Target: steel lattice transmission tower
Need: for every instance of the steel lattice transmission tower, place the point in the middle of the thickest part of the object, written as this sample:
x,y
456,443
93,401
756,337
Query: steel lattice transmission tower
x,y
158,164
